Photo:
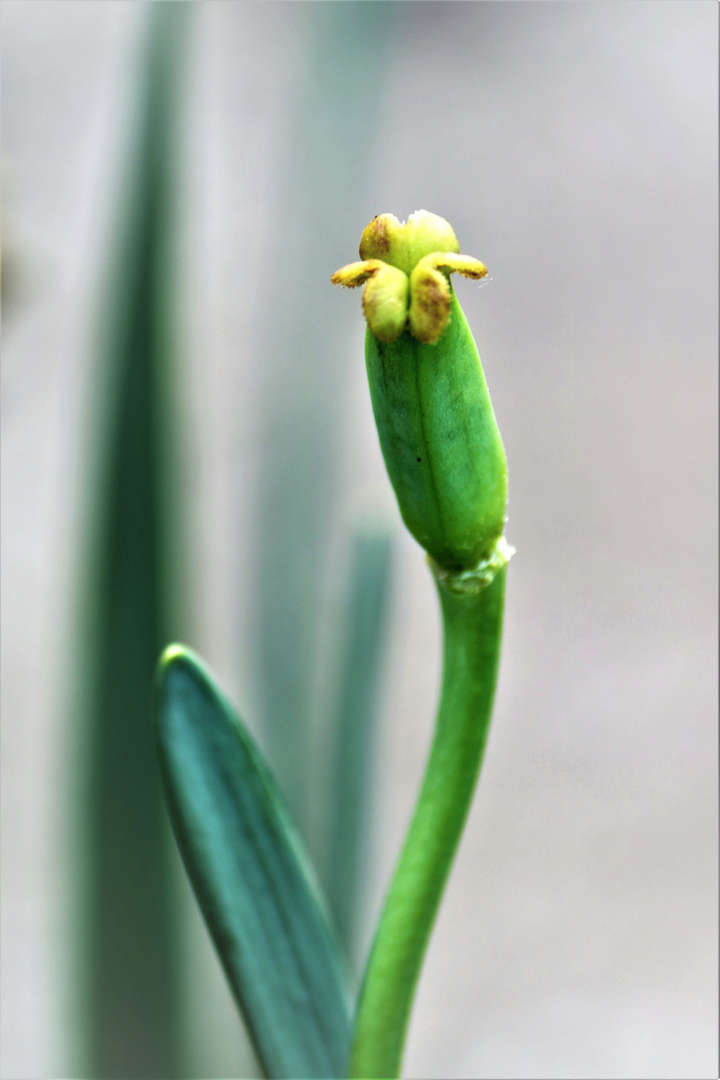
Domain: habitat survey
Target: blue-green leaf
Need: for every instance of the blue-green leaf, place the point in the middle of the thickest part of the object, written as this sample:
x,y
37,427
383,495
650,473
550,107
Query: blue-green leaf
x,y
251,877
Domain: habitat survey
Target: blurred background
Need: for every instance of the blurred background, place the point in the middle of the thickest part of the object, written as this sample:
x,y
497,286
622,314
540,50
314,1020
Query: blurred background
x,y
573,147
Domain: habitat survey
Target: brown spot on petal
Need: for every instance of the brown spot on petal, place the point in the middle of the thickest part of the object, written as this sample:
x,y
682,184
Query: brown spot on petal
x,y
376,238
429,306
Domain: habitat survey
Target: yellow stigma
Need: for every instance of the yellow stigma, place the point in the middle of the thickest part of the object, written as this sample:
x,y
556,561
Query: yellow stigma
x,y
405,269
430,292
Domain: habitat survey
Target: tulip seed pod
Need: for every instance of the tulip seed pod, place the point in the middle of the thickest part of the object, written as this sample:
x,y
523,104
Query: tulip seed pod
x,y
435,421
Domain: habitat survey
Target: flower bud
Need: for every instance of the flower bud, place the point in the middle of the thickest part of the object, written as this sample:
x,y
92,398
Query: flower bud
x,y
435,421
404,244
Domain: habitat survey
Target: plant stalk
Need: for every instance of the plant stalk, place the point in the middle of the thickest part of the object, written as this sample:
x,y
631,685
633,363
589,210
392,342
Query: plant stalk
x,y
472,631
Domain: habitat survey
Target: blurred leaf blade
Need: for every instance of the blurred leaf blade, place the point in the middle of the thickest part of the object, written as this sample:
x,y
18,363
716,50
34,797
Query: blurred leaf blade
x,y
331,142
133,994
250,876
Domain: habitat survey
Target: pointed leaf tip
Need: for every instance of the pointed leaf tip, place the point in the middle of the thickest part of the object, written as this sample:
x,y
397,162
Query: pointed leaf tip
x,y
251,877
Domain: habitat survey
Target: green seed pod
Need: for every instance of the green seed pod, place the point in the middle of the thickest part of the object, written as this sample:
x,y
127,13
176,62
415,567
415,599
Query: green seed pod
x,y
437,429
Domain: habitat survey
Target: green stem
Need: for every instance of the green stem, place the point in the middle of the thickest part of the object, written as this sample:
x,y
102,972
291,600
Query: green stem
x,y
472,626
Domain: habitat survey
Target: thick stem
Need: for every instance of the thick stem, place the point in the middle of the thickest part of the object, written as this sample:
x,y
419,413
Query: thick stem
x,y
472,626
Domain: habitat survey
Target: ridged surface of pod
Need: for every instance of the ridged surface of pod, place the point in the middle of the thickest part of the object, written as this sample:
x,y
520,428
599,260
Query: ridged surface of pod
x,y
440,441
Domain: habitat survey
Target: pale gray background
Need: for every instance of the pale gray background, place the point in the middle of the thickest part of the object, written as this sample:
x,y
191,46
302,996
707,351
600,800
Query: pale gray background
x,y
574,149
